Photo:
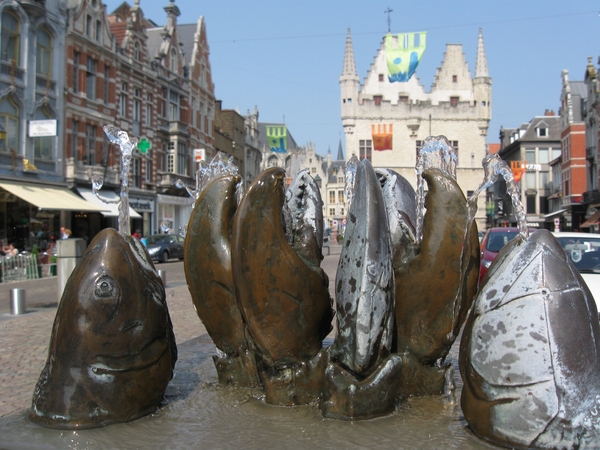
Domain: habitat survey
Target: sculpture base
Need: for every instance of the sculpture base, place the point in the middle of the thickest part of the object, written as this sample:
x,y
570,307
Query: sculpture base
x,y
296,385
346,397
237,370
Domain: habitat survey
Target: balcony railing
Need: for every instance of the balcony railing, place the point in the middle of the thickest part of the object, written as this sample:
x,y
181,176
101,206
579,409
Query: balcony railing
x,y
10,69
82,172
42,82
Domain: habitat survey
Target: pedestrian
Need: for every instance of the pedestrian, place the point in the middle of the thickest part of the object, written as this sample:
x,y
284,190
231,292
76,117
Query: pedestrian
x,y
12,251
138,234
65,233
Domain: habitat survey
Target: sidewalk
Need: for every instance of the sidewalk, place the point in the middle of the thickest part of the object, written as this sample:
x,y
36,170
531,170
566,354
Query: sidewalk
x,y
24,338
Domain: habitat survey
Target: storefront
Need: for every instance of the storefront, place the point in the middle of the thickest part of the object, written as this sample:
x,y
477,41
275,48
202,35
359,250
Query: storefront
x,y
145,206
173,213
32,214
90,224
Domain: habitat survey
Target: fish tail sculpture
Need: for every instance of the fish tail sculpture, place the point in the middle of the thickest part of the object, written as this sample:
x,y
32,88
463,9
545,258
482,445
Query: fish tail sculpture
x,y
361,379
435,288
530,351
112,349
280,288
209,276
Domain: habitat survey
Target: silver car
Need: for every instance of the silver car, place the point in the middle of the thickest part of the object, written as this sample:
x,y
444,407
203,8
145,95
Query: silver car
x,y
584,250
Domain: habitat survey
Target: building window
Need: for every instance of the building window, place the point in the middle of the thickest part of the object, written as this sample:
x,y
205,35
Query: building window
x,y
194,107
340,179
90,79
106,82
555,153
98,30
75,72
74,131
542,132
331,196
544,179
530,204
543,155
148,109
9,119
173,106
148,175
182,158
10,38
136,51
543,205
454,79
43,62
42,146
453,101
136,172
404,99
137,110
530,155
313,170
380,77
377,99
364,147
90,145
341,197
530,180
171,157
88,26
332,212
123,100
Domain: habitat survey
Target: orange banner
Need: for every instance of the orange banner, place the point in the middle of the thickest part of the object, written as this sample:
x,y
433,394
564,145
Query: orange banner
x,y
518,169
382,136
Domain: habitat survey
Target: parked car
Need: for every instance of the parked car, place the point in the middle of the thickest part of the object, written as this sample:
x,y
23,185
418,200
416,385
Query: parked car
x,y
584,250
163,247
492,243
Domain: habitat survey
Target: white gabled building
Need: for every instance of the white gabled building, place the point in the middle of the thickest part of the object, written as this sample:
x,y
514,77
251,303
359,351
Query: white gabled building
x,y
458,106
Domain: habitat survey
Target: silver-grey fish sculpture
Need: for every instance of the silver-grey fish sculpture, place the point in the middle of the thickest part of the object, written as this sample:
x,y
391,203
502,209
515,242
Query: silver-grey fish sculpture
x,y
361,379
112,349
530,351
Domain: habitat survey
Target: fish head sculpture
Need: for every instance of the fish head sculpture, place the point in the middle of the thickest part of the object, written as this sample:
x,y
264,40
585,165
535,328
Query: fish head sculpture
x,y
112,349
530,351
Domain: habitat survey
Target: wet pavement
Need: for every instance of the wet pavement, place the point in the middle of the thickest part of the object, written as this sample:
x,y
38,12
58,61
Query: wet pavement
x,y
24,338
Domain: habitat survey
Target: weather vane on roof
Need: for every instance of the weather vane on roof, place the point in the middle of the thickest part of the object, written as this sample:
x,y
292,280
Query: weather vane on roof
x,y
388,11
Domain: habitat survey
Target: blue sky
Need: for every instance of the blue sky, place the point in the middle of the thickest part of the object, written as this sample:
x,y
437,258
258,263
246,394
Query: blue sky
x,y
286,56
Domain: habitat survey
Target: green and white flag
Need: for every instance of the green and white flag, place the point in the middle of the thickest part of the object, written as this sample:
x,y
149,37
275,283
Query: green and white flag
x,y
403,58
277,136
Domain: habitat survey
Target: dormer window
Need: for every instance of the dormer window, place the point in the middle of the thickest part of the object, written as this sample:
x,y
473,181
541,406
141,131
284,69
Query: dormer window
x,y
377,99
542,131
404,99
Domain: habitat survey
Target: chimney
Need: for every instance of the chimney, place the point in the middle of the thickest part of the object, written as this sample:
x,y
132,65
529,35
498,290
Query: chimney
x,y
549,112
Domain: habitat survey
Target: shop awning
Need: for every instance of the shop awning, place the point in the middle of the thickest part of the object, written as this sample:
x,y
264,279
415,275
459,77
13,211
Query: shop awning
x,y
47,197
594,218
110,209
555,213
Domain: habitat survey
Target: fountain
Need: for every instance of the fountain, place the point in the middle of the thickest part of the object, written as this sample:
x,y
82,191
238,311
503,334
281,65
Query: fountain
x,y
406,281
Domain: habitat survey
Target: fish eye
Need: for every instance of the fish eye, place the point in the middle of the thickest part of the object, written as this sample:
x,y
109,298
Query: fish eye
x,y
105,287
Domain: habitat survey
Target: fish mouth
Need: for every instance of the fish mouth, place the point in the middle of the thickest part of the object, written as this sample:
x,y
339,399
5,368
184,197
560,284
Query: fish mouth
x,y
147,357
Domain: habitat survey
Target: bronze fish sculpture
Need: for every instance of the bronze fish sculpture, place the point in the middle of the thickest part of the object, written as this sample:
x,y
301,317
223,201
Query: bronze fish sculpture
x,y
209,275
530,351
112,349
280,288
436,282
